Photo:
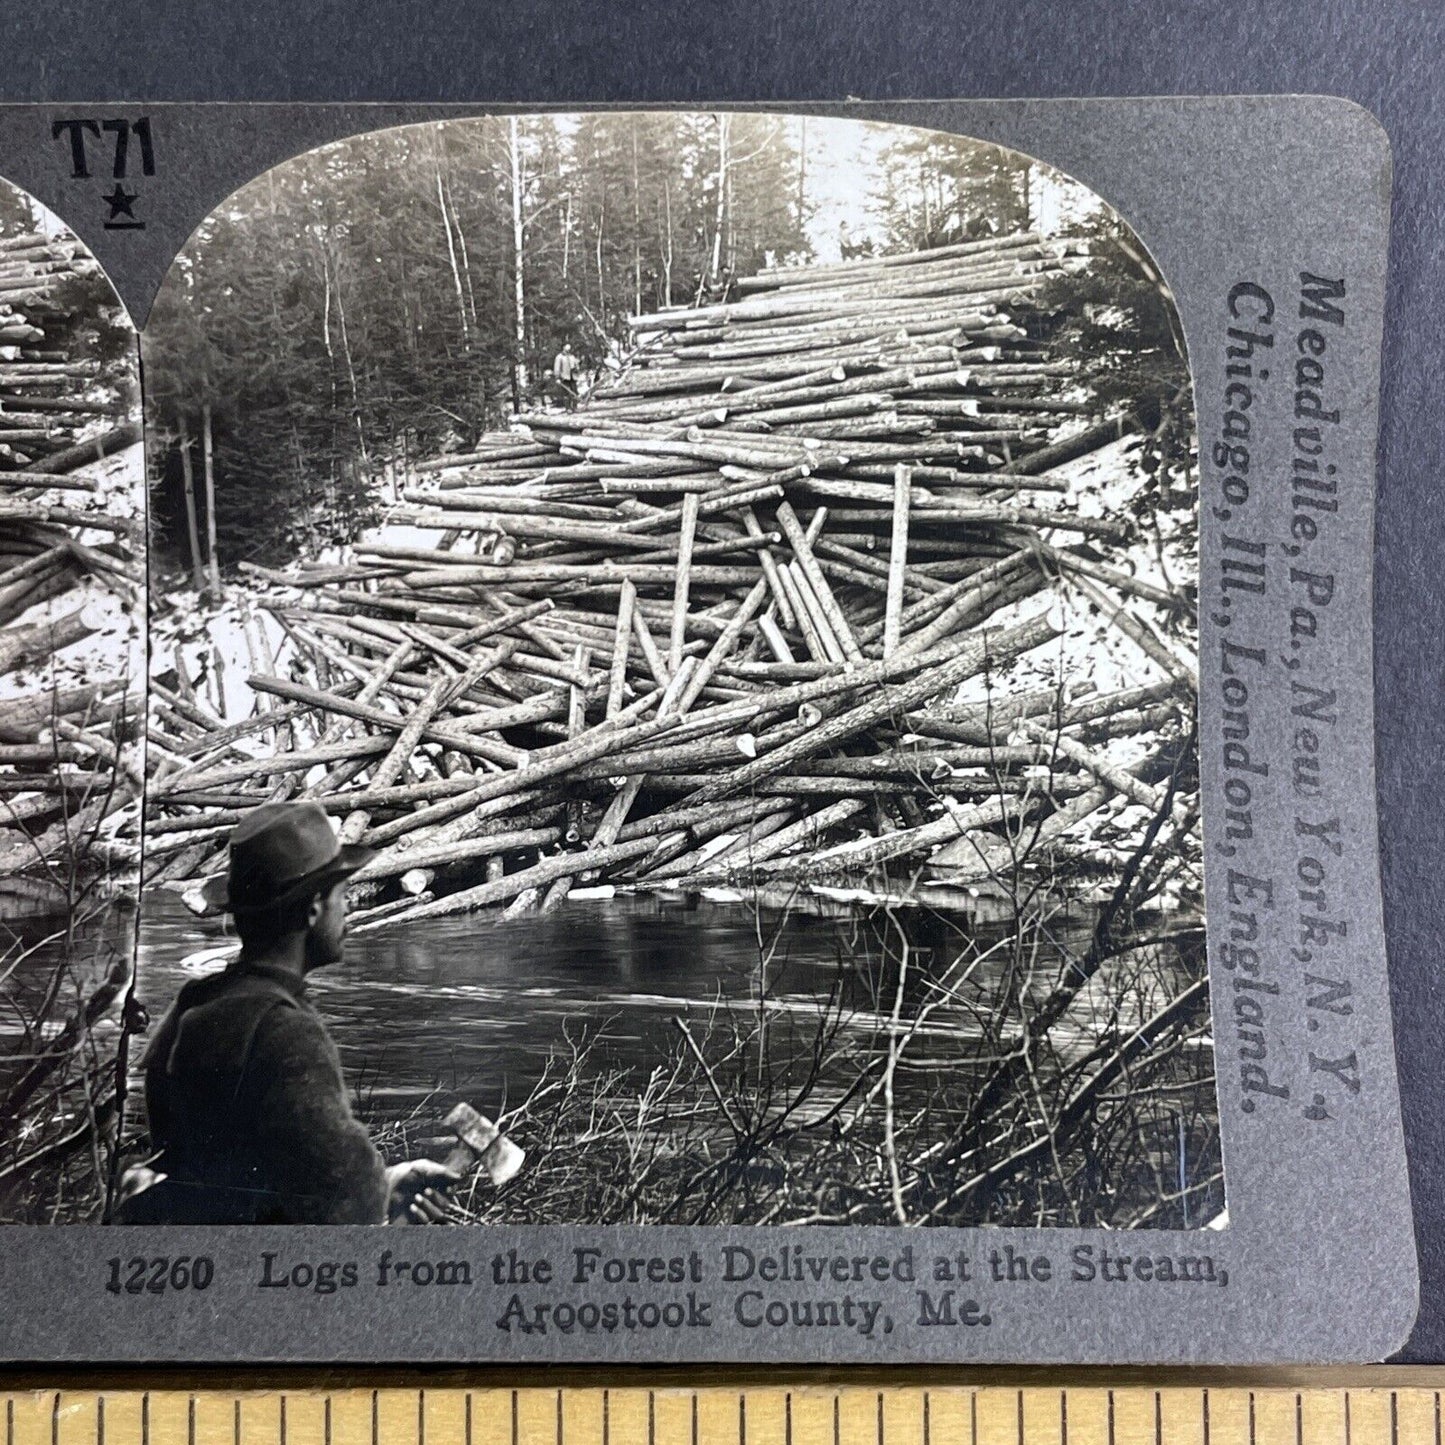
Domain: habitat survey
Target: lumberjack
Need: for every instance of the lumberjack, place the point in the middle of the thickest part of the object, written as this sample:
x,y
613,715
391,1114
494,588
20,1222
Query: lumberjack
x,y
244,1090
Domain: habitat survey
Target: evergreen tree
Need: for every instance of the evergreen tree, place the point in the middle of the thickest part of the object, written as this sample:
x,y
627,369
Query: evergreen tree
x,y
369,301
937,190
1118,318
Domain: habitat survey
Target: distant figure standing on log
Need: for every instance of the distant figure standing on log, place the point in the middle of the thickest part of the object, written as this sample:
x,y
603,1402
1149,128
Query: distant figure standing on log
x,y
565,371
244,1091
850,247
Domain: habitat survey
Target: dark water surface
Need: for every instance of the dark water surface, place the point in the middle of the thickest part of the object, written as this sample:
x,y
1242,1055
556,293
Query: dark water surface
x,y
474,1009
822,989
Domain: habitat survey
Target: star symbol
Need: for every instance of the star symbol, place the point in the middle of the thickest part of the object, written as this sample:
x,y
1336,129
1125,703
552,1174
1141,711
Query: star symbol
x,y
121,202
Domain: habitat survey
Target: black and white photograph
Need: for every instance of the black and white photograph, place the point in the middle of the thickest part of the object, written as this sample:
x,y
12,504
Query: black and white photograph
x,y
72,716
673,692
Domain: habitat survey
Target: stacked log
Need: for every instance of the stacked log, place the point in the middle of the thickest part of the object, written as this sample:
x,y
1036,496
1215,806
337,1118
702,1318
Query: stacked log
x,y
72,583
47,401
751,612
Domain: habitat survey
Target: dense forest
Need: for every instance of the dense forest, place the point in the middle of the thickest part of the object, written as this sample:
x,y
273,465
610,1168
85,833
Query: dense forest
x,y
394,295
398,292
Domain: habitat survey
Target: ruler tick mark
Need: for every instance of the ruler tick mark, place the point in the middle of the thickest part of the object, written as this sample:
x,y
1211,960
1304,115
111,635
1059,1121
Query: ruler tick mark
x,y
1260,1429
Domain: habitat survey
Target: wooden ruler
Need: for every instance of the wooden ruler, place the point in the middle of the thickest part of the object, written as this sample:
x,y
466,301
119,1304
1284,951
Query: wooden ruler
x,y
765,1414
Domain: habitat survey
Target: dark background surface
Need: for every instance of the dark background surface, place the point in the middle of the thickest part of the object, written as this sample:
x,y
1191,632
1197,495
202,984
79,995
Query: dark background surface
x,y
1389,55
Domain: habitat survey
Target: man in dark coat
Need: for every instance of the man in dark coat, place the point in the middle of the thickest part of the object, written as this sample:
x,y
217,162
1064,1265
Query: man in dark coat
x,y
244,1090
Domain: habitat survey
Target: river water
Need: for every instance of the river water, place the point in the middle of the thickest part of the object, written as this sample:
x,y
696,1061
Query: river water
x,y
455,1007
461,1008
480,1010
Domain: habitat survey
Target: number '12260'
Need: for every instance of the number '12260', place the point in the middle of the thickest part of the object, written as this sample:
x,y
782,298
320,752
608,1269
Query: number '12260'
x,y
139,1275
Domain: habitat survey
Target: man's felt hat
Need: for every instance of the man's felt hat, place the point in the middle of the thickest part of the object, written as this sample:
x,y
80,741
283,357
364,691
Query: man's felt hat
x,y
282,852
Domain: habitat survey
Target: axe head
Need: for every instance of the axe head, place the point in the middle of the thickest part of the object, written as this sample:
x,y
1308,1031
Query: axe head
x,y
481,1143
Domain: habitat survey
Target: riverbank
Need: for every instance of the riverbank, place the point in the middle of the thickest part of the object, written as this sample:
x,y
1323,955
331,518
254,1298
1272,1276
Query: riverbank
x,y
680,1058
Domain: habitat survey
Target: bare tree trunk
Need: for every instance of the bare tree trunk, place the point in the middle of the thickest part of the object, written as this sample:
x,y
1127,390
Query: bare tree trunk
x,y
209,474
408,314
188,486
519,294
730,213
326,325
275,230
601,233
724,124
636,227
335,446
452,257
466,259
667,244
601,275
567,236
351,376
802,170
471,298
